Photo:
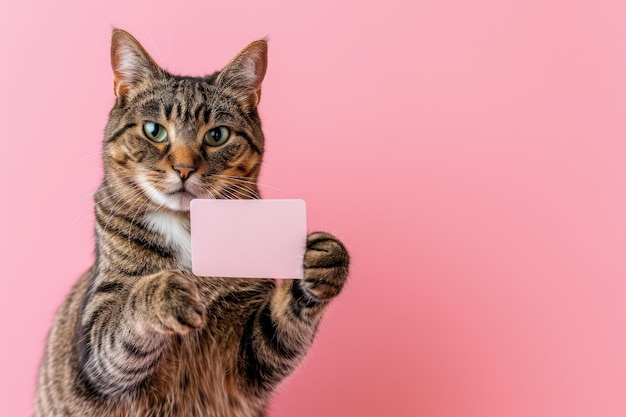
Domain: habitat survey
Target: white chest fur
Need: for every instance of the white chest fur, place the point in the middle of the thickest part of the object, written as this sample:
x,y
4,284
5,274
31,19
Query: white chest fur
x,y
175,232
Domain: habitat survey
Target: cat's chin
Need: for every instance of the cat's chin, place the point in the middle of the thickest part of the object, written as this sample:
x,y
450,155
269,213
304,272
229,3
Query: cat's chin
x,y
179,201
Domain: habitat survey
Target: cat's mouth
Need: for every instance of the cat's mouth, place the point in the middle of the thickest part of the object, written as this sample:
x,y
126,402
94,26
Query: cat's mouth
x,y
182,192
179,199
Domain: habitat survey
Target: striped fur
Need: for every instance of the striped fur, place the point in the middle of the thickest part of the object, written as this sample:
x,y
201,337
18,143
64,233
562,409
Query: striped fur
x,y
140,335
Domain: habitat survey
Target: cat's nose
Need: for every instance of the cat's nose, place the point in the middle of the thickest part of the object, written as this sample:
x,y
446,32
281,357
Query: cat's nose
x,y
183,170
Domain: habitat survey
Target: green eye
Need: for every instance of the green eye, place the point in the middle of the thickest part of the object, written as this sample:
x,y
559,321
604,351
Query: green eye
x,y
155,132
217,136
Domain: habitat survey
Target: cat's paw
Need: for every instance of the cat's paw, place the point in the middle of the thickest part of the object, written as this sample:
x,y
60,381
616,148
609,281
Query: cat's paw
x,y
175,304
326,264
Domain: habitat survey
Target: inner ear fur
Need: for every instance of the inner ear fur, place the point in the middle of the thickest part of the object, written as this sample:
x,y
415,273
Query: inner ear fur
x,y
130,62
246,72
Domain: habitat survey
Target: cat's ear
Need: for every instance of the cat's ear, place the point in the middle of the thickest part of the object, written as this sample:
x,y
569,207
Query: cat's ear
x,y
130,62
245,73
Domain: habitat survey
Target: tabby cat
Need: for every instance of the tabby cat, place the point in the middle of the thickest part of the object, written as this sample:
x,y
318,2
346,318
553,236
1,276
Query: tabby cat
x,y
139,334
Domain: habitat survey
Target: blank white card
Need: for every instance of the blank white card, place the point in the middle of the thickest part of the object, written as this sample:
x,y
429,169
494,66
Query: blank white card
x,y
248,238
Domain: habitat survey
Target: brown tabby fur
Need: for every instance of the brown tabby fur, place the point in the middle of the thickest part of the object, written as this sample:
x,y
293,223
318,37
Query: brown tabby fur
x,y
139,334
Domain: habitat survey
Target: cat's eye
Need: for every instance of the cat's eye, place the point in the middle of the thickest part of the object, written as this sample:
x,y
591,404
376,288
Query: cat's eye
x,y
217,136
155,132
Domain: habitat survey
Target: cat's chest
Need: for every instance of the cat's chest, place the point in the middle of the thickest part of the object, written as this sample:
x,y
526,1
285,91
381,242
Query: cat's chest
x,y
175,233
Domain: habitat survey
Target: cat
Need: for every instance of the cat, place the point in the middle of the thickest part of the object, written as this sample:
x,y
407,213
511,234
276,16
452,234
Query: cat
x,y
139,334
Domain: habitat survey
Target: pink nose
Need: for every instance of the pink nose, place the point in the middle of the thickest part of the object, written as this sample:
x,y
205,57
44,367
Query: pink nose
x,y
183,170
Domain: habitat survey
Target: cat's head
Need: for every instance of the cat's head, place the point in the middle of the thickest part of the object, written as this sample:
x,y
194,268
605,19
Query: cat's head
x,y
171,139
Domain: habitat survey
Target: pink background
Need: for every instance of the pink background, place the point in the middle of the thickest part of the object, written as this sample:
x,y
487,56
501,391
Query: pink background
x,y
470,153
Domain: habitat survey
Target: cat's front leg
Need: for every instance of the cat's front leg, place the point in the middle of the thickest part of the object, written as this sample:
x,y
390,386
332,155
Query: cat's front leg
x,y
278,335
126,325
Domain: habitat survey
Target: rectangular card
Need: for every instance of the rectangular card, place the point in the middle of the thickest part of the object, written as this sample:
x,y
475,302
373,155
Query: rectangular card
x,y
248,238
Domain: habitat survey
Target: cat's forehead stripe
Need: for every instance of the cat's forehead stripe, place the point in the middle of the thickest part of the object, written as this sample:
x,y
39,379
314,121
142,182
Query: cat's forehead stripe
x,y
185,102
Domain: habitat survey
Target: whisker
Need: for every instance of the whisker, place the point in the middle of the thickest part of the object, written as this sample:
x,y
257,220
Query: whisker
x,y
117,207
91,207
76,204
229,195
67,229
89,155
244,191
246,181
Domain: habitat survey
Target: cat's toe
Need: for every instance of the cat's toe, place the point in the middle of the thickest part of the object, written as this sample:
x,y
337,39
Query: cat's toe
x,y
178,305
326,263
